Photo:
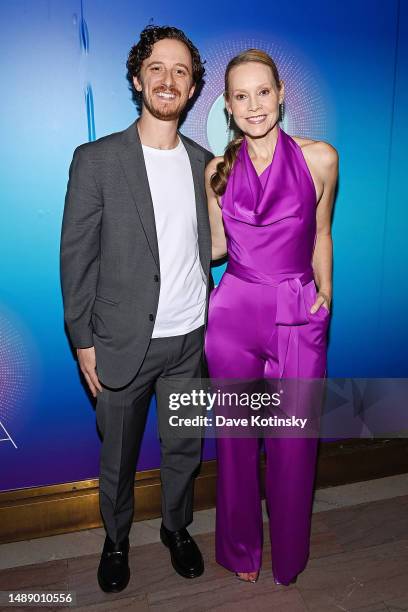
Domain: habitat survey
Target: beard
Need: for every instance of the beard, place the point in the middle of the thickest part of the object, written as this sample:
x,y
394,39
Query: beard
x,y
165,110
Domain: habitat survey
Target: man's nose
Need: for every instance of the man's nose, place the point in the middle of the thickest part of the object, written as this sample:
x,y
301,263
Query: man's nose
x,y
168,78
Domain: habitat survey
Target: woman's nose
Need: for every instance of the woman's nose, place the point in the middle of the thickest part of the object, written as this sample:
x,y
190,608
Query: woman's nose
x,y
254,104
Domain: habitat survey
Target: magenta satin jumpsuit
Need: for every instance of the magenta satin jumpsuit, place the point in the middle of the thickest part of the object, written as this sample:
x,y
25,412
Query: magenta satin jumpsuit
x,y
260,326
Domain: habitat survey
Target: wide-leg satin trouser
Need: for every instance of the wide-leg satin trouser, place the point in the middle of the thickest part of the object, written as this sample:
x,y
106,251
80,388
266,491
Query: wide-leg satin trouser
x,y
245,339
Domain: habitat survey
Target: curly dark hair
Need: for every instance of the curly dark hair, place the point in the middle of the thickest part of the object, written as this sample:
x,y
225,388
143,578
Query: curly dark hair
x,y
143,49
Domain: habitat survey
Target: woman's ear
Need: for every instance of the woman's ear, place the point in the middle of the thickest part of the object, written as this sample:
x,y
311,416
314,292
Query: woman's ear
x,y
281,91
227,105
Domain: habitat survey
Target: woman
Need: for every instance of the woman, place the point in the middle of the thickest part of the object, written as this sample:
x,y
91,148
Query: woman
x,y
270,199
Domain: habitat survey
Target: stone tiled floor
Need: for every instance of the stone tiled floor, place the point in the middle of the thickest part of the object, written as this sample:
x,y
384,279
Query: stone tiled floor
x,y
358,561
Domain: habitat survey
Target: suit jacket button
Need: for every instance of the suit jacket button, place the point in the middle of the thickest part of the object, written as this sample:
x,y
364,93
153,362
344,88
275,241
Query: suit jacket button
x,y
156,278
151,317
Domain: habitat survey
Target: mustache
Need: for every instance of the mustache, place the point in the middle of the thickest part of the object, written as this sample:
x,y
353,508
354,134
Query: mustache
x,y
164,89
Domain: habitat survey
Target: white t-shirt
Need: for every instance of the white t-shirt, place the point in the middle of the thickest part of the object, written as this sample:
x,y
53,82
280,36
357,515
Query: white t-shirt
x,y
182,297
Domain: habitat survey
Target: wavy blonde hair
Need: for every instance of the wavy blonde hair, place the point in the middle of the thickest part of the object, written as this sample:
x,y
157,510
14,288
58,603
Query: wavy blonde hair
x,y
220,177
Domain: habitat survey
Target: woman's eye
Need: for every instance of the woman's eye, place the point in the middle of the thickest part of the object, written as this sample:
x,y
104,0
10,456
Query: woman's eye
x,y
240,96
264,92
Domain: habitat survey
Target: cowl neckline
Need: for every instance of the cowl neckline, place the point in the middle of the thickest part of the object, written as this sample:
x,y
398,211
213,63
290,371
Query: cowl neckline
x,y
249,166
260,200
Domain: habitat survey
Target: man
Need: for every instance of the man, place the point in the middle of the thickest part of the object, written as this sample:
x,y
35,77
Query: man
x,y
135,259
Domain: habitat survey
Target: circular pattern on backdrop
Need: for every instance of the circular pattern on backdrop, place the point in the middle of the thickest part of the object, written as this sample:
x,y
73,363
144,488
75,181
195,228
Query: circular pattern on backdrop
x,y
304,107
14,369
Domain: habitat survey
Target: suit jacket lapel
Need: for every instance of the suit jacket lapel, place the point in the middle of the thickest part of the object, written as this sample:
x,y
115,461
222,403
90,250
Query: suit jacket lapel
x,y
132,160
197,161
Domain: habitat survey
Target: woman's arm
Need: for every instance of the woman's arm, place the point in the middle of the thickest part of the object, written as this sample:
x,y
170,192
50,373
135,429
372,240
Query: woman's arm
x,y
326,167
219,243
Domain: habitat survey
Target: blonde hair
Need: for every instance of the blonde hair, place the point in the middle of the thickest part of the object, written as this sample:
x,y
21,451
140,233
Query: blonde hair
x,y
220,177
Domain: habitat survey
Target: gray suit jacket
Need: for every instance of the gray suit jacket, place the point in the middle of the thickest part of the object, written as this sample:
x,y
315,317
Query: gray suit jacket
x,y
109,257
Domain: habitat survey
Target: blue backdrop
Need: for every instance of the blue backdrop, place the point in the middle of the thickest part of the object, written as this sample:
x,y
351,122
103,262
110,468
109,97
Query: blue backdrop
x,y
63,76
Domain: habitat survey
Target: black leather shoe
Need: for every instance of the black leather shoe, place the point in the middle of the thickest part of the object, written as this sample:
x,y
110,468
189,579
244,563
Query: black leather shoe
x,y
185,555
113,571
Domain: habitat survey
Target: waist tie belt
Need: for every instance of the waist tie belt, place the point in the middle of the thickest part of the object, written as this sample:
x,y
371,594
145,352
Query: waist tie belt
x,y
291,309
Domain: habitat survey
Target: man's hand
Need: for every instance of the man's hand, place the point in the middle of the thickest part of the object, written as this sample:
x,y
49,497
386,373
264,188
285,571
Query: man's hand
x,y
87,363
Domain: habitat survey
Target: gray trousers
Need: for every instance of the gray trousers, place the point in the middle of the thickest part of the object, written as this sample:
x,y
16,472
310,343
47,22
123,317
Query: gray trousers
x,y
121,416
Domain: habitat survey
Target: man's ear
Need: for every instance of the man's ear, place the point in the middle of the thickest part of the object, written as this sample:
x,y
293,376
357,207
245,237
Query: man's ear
x,y
137,83
191,92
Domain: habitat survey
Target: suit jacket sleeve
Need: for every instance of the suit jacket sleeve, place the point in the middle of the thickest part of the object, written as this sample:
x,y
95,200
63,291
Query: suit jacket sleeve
x,y
209,156
80,249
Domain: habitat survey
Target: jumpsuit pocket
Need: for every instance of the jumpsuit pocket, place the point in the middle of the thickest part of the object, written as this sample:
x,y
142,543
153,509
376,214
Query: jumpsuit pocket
x,y
311,293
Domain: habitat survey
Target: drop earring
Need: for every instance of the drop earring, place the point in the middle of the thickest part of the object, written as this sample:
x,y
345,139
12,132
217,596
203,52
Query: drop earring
x,y
228,123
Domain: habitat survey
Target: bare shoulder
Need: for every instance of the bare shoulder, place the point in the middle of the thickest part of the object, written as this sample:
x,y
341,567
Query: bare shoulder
x,y
211,167
319,152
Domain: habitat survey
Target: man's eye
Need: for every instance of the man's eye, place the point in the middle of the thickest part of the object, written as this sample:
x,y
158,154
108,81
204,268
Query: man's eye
x,y
155,68
181,71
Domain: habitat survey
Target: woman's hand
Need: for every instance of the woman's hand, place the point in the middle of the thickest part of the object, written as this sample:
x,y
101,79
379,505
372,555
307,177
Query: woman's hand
x,y
321,300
